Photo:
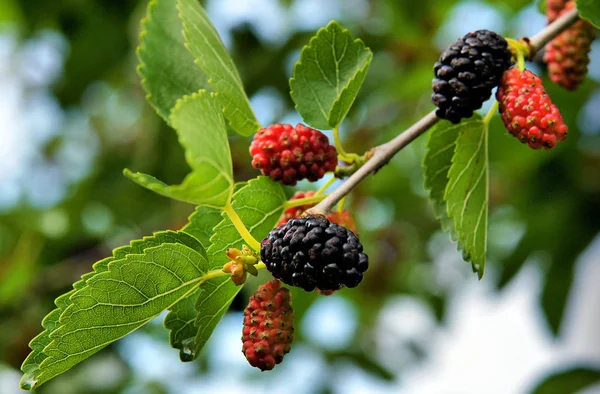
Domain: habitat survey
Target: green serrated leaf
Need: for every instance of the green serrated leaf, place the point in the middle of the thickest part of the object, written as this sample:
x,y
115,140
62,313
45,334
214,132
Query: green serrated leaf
x,y
571,380
166,78
329,75
181,323
212,57
182,317
466,194
259,205
202,132
114,303
202,222
589,10
440,146
31,365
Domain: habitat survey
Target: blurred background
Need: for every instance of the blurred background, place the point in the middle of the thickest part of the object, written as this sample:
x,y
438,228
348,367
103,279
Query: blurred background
x,y
73,115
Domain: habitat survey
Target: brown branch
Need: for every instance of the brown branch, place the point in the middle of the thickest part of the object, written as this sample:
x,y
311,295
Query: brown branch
x,y
383,153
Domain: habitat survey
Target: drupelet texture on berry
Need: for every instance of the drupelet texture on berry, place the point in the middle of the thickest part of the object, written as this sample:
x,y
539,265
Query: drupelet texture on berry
x,y
289,154
268,326
467,72
527,110
343,218
311,252
567,55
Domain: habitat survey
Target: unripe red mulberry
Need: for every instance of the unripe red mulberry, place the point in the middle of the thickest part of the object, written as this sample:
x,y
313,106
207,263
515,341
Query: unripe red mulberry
x,y
567,55
527,110
268,326
289,154
343,218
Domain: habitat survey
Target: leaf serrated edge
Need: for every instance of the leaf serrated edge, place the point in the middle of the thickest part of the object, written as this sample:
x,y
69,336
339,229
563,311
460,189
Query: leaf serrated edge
x,y
466,255
65,314
236,74
139,52
63,301
309,46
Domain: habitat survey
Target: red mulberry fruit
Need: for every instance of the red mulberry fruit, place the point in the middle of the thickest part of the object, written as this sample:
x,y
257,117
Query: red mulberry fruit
x,y
567,55
289,154
527,110
268,326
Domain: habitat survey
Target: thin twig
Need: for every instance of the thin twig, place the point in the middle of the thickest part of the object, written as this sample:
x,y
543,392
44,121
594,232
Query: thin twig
x,y
540,40
383,153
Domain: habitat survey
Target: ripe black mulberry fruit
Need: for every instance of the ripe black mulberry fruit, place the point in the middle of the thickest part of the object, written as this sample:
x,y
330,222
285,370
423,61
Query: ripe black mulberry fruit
x,y
312,252
289,154
467,72
268,326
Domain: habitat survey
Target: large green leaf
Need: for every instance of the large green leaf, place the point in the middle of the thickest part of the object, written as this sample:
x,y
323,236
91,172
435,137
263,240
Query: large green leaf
x,y
590,10
259,205
212,57
166,78
329,75
202,132
34,375
569,381
182,317
467,191
440,146
202,222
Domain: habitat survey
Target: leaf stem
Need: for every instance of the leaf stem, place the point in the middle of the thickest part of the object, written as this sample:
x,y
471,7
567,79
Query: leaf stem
x,y
303,201
520,61
213,274
241,228
341,204
325,186
216,273
346,157
490,114
383,153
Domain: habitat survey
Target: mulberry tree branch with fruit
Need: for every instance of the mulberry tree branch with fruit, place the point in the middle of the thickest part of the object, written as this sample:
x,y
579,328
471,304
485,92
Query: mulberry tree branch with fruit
x,y
196,272
383,153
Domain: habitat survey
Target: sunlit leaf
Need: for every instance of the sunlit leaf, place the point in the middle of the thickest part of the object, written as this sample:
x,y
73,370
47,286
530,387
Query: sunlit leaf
x,y
51,355
329,75
259,205
202,132
467,191
212,57
166,78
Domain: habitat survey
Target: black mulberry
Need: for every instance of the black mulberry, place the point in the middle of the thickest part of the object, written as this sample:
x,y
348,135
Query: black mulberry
x,y
312,252
467,72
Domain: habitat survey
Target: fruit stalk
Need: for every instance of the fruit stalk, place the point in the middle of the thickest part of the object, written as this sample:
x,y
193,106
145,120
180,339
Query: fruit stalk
x,y
383,153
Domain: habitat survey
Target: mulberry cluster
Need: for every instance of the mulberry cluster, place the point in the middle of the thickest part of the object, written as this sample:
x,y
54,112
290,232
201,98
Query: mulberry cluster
x,y
567,55
268,326
289,154
343,218
527,110
467,72
311,252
